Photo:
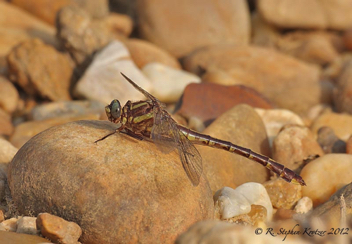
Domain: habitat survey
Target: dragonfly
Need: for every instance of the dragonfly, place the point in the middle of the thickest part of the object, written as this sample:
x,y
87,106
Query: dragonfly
x,y
149,120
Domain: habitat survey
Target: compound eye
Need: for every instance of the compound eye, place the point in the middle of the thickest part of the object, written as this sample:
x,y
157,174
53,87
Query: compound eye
x,y
115,109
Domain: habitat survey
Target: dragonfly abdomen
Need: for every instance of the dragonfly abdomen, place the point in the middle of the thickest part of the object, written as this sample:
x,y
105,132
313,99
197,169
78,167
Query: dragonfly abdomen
x,y
206,140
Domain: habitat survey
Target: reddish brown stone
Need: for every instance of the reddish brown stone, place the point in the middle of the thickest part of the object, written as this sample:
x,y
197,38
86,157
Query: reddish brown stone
x,y
207,101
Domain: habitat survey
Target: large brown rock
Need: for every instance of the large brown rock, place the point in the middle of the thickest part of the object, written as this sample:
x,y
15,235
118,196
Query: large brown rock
x,y
312,14
288,82
119,190
183,26
240,125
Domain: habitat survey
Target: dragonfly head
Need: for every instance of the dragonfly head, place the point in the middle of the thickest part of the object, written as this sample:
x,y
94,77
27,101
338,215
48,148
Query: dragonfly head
x,y
113,111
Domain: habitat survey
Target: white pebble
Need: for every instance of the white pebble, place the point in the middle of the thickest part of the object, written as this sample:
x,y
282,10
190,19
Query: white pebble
x,y
27,225
168,83
233,202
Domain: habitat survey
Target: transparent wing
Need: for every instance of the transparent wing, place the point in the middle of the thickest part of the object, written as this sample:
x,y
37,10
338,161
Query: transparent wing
x,y
162,133
191,160
144,92
167,137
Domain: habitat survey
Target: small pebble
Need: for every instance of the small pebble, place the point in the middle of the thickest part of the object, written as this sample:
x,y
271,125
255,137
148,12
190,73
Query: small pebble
x,y
283,194
275,119
57,229
27,225
233,202
329,142
304,205
9,225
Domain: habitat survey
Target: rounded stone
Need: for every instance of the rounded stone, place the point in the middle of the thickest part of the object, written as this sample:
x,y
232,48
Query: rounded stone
x,y
325,175
242,126
118,190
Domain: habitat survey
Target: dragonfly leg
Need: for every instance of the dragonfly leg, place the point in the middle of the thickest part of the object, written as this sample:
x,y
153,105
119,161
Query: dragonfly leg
x,y
132,134
115,131
104,137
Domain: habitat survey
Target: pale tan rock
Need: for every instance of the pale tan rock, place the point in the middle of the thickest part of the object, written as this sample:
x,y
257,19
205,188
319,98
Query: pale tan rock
x,y
340,123
66,109
107,67
81,35
286,81
275,119
293,144
47,9
316,47
183,26
7,151
343,89
17,238
6,126
119,24
325,175
230,202
312,14
119,181
27,225
264,34
304,205
25,131
9,225
17,25
283,194
168,83
143,53
41,70
242,126
57,229
8,95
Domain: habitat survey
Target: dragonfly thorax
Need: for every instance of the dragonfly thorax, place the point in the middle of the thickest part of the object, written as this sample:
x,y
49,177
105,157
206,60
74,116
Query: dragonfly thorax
x,y
113,111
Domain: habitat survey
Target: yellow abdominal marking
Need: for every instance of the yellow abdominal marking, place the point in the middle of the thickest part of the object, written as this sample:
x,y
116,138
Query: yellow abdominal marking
x,y
143,117
134,106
